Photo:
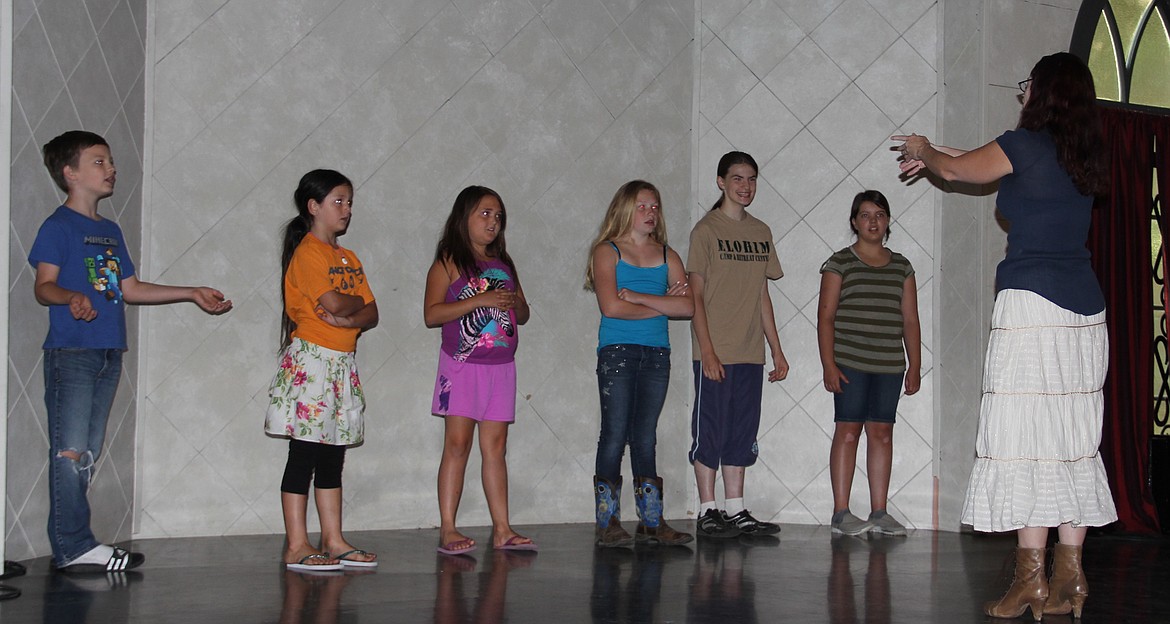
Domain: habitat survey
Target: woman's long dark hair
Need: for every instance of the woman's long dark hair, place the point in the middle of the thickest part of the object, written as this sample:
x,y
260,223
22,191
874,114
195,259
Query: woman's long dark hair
x,y
1063,102
455,243
729,160
315,185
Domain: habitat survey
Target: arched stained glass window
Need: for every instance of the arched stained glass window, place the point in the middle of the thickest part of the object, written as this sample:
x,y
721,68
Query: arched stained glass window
x,y
1127,45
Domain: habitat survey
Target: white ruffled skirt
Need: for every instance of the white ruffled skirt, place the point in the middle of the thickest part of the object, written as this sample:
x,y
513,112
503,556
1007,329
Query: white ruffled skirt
x,y
1037,461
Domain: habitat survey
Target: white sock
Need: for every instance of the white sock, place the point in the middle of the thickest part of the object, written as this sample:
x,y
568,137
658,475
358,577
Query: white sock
x,y
99,555
704,506
734,506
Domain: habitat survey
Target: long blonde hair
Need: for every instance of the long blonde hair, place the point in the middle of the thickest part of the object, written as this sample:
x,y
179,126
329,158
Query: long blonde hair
x,y
619,218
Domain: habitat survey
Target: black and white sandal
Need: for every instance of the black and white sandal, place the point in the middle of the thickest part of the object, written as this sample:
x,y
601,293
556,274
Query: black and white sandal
x,y
120,561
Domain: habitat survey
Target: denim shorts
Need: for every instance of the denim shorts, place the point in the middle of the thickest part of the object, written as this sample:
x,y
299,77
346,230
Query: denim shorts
x,y
868,397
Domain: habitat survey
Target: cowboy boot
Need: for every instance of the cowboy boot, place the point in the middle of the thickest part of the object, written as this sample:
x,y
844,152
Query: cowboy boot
x,y
1067,588
651,526
1029,588
608,498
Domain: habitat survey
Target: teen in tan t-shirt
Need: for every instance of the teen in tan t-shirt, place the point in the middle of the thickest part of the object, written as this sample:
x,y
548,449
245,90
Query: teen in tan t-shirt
x,y
732,256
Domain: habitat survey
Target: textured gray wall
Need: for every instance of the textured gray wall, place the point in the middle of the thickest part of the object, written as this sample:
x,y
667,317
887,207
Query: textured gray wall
x,y
554,104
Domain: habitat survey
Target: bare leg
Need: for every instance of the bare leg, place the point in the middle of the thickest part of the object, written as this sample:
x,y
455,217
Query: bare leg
x,y
457,437
329,504
705,480
295,530
733,481
1070,535
493,447
1032,537
843,462
879,451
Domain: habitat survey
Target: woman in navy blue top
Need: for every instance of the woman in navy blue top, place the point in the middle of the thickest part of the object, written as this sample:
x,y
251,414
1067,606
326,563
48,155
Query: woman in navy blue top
x,y
1037,464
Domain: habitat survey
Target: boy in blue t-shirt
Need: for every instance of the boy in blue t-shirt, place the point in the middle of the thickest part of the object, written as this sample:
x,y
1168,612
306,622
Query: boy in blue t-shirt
x,y
85,276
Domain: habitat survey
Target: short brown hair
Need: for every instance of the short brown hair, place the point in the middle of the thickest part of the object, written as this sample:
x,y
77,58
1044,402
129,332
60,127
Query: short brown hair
x,y
65,150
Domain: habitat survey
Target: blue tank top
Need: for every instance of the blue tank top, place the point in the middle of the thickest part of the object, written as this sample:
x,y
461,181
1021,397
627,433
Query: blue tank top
x,y
651,332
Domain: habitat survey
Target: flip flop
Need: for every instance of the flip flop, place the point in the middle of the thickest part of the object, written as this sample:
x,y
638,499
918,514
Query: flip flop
x,y
301,566
357,563
514,543
450,547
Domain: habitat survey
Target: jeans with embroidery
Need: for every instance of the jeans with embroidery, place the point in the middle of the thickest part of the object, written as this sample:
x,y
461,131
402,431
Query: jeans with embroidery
x,y
632,381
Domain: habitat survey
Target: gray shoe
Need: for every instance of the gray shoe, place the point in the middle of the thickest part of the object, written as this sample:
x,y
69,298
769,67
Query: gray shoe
x,y
887,525
851,525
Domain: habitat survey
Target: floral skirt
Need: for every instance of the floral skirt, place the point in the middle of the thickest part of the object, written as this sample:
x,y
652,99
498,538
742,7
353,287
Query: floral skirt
x,y
1040,420
316,396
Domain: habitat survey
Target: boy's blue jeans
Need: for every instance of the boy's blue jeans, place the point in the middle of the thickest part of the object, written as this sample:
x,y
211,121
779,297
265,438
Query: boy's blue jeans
x,y
79,391
632,381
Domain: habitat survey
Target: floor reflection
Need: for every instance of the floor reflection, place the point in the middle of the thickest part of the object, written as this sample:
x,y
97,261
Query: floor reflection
x,y
487,601
637,598
75,596
875,588
315,597
805,576
720,590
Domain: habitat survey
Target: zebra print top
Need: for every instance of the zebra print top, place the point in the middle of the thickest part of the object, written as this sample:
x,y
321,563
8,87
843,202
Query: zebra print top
x,y
485,335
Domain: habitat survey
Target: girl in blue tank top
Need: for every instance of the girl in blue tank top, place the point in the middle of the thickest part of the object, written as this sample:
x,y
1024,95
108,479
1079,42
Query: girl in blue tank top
x,y
640,283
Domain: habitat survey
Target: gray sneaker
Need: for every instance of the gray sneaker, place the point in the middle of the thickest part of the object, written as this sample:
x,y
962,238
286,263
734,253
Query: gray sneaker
x,y
886,525
851,525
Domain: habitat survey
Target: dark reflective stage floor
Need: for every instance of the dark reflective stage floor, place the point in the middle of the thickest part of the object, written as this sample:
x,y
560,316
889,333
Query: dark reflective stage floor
x,y
804,576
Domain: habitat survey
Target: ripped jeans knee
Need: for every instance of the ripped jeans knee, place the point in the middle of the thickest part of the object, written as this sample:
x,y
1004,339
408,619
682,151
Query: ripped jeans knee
x,y
81,462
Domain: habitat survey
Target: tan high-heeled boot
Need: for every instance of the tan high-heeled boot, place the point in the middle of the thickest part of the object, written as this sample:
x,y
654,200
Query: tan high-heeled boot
x,y
1029,588
1068,589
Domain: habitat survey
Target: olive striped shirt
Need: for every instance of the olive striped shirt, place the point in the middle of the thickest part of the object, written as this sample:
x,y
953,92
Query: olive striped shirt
x,y
867,333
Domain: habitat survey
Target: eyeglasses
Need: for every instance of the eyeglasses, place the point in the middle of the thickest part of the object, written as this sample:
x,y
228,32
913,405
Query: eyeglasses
x,y
1023,84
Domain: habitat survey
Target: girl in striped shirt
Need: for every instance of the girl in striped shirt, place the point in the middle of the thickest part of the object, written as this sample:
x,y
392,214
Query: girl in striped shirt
x,y
871,347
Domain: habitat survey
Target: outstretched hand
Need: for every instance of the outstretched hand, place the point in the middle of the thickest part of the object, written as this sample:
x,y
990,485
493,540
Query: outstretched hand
x,y
210,300
911,149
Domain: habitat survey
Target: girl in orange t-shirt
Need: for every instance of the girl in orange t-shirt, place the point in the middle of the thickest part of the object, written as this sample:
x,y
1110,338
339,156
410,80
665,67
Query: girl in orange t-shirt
x,y
316,398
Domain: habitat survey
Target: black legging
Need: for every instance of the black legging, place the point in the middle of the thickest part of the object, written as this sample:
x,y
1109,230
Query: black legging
x,y
321,463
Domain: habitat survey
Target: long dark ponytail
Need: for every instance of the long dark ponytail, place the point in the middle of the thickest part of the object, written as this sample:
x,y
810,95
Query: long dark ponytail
x,y
315,186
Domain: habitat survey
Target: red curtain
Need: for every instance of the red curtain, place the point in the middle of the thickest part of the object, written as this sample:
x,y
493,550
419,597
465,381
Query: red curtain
x,y
1120,243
